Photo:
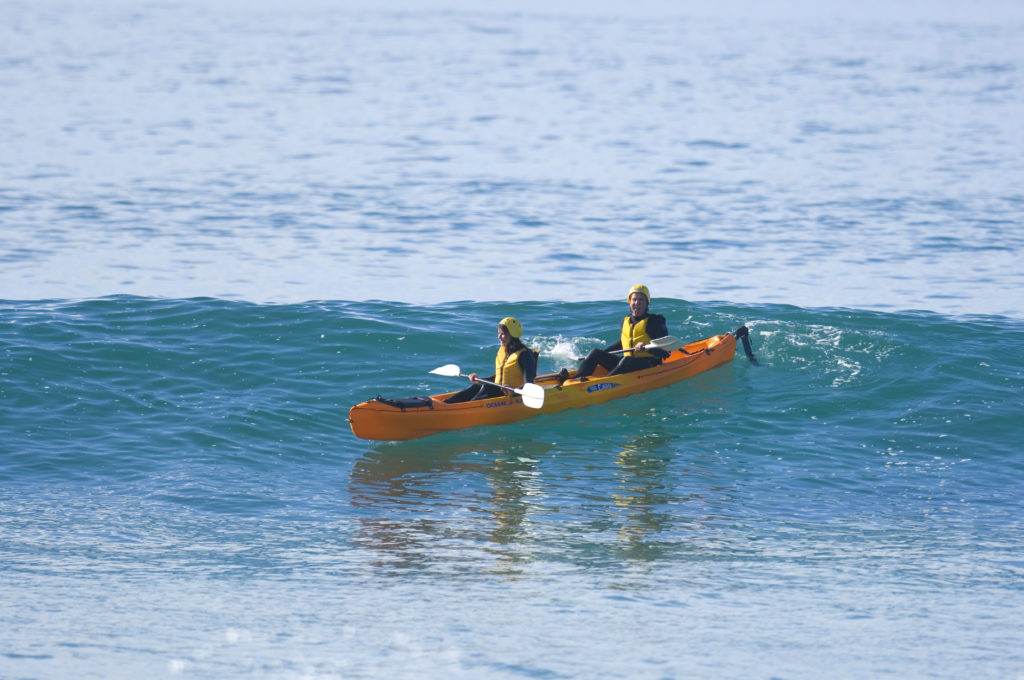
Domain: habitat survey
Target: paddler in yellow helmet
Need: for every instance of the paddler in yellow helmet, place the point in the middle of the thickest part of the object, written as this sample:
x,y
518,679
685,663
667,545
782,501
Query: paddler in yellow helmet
x,y
638,329
514,366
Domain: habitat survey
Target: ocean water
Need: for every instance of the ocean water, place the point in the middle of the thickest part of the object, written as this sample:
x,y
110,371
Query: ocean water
x,y
223,224
865,156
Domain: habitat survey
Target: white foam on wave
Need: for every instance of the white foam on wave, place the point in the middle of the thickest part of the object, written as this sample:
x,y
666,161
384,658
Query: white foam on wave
x,y
562,351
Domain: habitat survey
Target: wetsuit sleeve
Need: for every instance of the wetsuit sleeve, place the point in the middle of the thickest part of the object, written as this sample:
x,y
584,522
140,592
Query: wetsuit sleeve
x,y
614,347
657,327
528,361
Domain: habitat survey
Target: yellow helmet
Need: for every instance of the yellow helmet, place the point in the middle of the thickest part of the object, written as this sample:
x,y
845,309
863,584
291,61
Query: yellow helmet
x,y
514,328
639,288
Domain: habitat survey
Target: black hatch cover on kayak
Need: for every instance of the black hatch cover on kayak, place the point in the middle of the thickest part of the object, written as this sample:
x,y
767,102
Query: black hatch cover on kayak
x,y
406,402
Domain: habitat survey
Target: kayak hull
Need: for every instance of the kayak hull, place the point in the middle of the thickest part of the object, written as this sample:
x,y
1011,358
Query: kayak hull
x,y
378,420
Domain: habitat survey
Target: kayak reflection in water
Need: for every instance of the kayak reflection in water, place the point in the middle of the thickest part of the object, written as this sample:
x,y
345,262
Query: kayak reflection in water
x,y
638,329
514,366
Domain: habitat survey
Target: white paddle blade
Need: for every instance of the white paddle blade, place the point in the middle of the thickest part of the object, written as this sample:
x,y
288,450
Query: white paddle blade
x,y
533,395
667,343
450,370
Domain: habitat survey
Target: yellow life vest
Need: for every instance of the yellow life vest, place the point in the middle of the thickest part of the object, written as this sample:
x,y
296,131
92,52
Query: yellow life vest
x,y
507,370
633,333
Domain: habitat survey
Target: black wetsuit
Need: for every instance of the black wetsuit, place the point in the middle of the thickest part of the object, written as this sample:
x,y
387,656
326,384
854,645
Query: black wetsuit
x,y
615,364
528,362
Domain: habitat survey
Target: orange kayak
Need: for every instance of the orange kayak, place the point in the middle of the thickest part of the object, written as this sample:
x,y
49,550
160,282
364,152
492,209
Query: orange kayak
x,y
386,419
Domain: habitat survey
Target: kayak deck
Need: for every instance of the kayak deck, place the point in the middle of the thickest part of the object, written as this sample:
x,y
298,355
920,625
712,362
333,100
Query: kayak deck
x,y
380,419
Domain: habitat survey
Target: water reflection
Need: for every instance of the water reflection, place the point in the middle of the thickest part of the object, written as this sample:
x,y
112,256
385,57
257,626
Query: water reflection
x,y
516,483
497,505
444,506
642,494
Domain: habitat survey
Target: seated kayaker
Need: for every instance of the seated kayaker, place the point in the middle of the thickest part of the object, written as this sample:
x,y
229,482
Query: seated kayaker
x,y
638,329
514,366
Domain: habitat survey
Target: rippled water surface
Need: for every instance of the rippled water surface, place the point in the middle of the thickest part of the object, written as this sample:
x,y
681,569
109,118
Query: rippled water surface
x,y
866,157
223,224
180,475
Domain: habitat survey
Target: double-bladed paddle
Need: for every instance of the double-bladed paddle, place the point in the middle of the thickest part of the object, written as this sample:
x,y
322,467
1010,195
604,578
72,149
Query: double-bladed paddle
x,y
532,394
667,343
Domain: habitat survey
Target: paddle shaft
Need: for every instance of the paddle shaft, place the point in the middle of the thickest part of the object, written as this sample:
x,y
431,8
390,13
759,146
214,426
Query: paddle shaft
x,y
453,371
532,394
517,390
667,343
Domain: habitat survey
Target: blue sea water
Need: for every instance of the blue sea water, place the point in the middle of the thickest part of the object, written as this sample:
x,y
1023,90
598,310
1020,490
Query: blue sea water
x,y
223,224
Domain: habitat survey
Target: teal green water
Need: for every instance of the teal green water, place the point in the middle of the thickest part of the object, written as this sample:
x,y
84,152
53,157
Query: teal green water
x,y
180,475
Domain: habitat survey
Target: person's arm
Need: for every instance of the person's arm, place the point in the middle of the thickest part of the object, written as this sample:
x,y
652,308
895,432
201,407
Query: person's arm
x,y
657,327
528,360
615,347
